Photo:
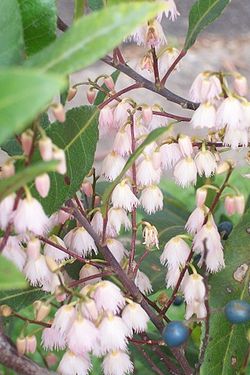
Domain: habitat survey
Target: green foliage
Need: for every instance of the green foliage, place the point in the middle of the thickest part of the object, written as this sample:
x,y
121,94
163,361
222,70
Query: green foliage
x,y
77,136
26,93
20,298
202,13
10,276
11,33
228,345
24,176
91,37
39,23
96,4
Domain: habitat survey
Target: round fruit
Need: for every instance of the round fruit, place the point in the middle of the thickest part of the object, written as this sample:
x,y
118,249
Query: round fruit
x,y
178,300
225,228
237,311
175,333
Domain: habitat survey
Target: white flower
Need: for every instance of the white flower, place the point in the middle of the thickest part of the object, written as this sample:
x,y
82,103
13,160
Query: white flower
x,y
116,248
172,277
13,251
108,297
72,364
64,319
175,253
116,218
185,172
185,145
235,138
170,155
80,241
106,120
121,113
204,116
59,155
197,308
113,334
146,172
230,113
201,196
194,288
53,339
171,12
89,270
143,282
112,165
151,199
82,336
123,197
240,85
97,222
89,309
122,143
150,235
196,220
206,87
30,216
135,317
166,60
117,363
6,210
52,251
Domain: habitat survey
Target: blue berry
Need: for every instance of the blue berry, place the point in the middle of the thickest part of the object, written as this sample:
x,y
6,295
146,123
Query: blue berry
x,y
237,311
225,228
178,300
175,333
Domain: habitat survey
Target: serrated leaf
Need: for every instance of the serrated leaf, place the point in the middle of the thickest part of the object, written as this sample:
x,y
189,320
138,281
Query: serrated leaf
x,y
10,276
91,37
202,13
228,345
77,136
24,176
39,19
19,298
25,94
11,33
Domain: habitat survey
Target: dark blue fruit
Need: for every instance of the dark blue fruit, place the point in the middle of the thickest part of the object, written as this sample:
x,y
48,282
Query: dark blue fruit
x,y
178,300
225,228
175,333
237,311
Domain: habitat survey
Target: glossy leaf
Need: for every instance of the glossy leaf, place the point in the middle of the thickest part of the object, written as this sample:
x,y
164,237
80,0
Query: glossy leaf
x,y
91,37
10,276
11,33
202,13
77,136
24,176
39,18
19,298
25,94
228,345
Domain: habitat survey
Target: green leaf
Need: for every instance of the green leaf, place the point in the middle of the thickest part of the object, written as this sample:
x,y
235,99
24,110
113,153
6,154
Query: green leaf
x,y
91,37
25,94
202,13
19,298
24,176
11,33
77,136
153,136
228,345
10,276
95,4
39,19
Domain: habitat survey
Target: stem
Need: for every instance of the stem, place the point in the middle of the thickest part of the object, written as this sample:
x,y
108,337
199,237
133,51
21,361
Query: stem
x,y
147,342
31,320
79,9
177,60
140,260
170,115
119,93
148,359
91,277
155,67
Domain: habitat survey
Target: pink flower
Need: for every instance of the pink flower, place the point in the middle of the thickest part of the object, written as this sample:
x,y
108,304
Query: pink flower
x,y
230,205
185,145
117,363
42,184
91,95
116,248
60,156
74,364
185,172
175,253
201,196
121,113
122,142
151,199
27,141
37,271
146,173
109,83
106,120
239,204
113,334
206,87
230,113
80,241
64,318
171,12
240,85
170,155
53,252
89,270
59,112
205,163
82,336
235,138
31,344
13,251
166,60
97,222
112,165
147,114
204,116
52,339
108,297
46,148
6,210
196,219
89,309
135,317
117,217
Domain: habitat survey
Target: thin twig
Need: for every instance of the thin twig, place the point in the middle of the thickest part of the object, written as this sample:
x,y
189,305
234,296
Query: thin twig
x,y
148,359
172,67
119,93
155,67
88,278
31,320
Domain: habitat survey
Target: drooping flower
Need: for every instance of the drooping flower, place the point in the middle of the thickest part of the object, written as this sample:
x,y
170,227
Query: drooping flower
x,y
151,199
240,85
89,270
82,336
230,113
6,210
64,318
74,365
175,253
112,165
117,363
194,288
80,241
206,87
204,116
196,219
116,248
113,334
14,252
53,252
170,155
185,145
205,163
123,197
135,317
143,283
185,172
122,142
108,297
42,184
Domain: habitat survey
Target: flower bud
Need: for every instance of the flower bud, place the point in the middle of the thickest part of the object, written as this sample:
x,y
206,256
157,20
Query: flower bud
x,y
150,235
87,188
42,184
230,205
51,359
109,83
240,85
45,148
33,248
71,93
91,95
59,112
223,167
41,310
27,141
185,145
59,155
201,195
8,169
147,114
5,311
21,345
31,344
239,201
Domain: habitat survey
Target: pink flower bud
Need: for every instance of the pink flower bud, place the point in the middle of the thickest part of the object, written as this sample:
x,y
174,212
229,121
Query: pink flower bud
x,y
109,83
239,201
201,195
87,188
63,216
8,169
185,145
71,93
91,95
230,205
59,112
21,345
33,248
41,310
59,155
51,359
42,184
27,141
147,114
45,147
240,85
31,344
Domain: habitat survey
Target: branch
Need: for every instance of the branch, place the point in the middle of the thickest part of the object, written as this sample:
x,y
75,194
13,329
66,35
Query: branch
x,y
181,55
61,25
124,68
21,364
